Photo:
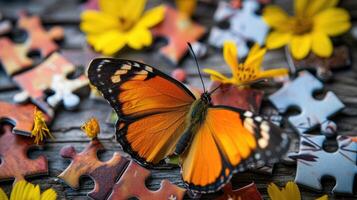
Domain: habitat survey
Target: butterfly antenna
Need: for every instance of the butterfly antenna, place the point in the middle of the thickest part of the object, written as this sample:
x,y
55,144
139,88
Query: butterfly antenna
x,y
198,67
215,89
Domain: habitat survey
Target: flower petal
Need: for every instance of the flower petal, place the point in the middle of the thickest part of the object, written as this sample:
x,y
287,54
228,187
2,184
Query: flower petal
x,y
108,43
17,190
255,58
230,55
272,73
49,194
97,22
291,191
300,7
334,21
186,7
139,37
126,9
274,192
152,17
3,195
277,39
316,6
275,17
321,44
325,197
300,46
217,76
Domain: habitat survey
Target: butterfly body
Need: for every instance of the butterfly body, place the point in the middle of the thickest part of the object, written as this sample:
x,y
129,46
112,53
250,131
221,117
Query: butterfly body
x,y
160,117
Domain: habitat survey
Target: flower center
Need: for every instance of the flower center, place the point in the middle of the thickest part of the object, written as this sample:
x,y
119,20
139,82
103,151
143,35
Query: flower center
x,y
302,25
125,24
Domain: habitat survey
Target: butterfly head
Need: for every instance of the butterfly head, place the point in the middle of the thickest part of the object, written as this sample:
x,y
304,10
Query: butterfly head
x,y
206,97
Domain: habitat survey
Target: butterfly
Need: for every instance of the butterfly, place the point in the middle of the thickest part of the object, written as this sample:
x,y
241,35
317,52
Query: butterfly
x,y
159,117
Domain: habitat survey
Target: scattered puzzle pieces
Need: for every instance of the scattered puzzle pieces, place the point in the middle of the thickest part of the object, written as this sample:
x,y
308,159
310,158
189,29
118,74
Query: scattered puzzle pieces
x,y
178,29
244,26
132,184
248,192
230,95
20,116
110,176
313,163
15,163
51,74
324,66
314,112
104,174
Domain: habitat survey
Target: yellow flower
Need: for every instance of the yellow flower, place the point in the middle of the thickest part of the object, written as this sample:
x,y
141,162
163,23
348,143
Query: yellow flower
x,y
40,130
244,73
28,191
91,128
290,192
119,23
315,21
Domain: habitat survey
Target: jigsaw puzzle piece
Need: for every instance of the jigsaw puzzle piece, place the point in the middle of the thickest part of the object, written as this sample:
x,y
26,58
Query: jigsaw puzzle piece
x,y
244,26
51,74
132,184
313,163
324,67
20,116
5,25
39,39
178,29
13,56
104,174
314,112
15,163
248,192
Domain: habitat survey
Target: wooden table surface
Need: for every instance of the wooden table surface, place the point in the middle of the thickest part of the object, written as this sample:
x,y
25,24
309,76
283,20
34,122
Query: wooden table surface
x,y
66,124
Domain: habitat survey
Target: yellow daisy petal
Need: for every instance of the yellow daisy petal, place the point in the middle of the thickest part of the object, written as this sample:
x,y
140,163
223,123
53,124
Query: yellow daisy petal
x,y
291,191
325,197
300,46
97,22
316,6
255,58
125,9
108,43
300,6
272,73
334,21
321,44
49,194
275,193
217,76
277,39
139,37
152,17
35,193
275,17
230,55
3,195
16,192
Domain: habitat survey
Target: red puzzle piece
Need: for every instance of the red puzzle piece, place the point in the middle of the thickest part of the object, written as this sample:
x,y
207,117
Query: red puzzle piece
x,y
106,174
20,116
248,192
13,154
230,95
178,29
132,184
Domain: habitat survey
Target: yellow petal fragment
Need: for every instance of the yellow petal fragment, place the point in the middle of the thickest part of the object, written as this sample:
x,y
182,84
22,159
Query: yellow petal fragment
x,y
316,6
325,197
275,193
230,55
49,194
334,21
97,22
217,76
321,44
300,7
275,17
300,46
277,39
3,195
139,38
273,73
186,7
291,191
152,17
40,130
91,128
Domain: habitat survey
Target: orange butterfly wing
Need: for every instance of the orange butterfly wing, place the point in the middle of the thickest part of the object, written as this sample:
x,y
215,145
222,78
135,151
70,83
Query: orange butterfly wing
x,y
228,141
151,106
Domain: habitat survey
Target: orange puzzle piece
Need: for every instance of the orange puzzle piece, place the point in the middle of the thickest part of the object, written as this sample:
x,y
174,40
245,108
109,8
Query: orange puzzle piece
x,y
13,154
178,29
